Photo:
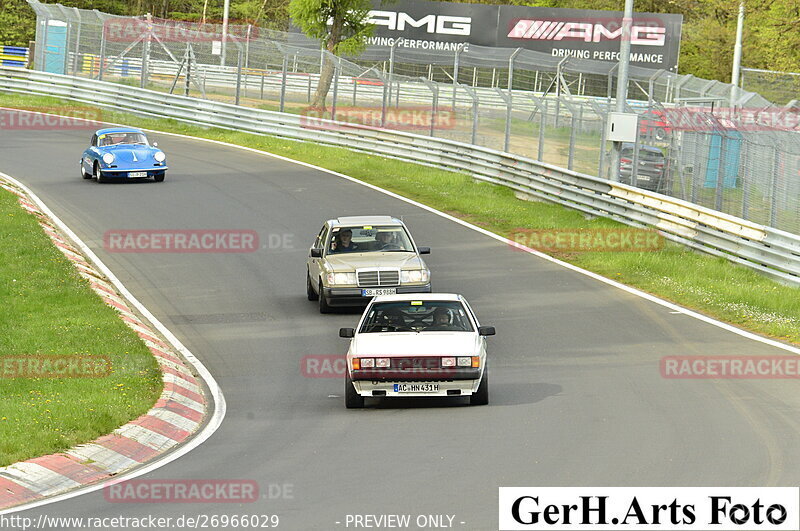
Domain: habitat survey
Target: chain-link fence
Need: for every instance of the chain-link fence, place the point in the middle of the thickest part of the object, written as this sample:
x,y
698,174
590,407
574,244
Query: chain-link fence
x,y
699,140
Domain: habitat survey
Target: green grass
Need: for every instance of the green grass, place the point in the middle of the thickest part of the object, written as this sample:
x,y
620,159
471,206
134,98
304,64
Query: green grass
x,y
711,285
49,310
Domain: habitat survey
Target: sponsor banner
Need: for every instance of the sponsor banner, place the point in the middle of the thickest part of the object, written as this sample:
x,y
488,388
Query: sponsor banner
x,y
649,508
730,367
591,34
67,366
559,33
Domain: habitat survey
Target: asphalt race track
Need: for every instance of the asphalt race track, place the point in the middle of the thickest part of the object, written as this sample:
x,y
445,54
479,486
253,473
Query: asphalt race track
x,y
576,395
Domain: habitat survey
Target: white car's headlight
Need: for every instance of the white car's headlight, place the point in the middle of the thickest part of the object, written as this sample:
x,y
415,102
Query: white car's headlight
x,y
108,158
159,156
339,279
416,275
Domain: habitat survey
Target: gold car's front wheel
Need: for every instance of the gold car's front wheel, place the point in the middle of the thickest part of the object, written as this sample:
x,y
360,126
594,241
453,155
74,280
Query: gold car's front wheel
x,y
324,307
310,293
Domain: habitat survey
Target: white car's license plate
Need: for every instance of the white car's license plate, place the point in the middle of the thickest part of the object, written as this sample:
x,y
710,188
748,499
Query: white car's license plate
x,y
137,174
422,387
372,292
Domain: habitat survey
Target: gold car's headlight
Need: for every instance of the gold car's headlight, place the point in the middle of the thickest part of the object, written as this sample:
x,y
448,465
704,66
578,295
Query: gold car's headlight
x,y
338,279
415,275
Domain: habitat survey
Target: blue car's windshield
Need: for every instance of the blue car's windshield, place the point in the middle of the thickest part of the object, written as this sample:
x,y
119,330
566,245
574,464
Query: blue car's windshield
x,y
113,139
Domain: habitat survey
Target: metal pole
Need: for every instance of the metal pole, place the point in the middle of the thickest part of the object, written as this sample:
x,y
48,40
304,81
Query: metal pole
x,y
737,54
336,68
542,125
226,10
622,77
146,51
384,99
635,161
721,170
391,66
76,62
102,55
511,58
188,70
571,156
263,75
239,73
283,81
247,58
455,72
602,162
773,211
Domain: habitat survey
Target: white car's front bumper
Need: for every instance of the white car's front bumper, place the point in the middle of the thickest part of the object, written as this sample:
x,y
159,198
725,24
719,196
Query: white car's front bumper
x,y
416,389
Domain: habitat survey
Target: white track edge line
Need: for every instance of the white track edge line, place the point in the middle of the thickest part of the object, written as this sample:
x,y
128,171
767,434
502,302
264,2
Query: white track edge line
x,y
219,405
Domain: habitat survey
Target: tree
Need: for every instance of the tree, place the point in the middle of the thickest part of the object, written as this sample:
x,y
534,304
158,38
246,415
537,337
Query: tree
x,y
340,25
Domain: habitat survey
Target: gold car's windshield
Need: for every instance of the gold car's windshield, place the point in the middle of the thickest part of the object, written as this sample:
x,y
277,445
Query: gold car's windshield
x,y
113,139
369,238
417,316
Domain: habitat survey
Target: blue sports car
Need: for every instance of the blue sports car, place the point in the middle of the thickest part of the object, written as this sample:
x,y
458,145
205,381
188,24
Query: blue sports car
x,y
122,153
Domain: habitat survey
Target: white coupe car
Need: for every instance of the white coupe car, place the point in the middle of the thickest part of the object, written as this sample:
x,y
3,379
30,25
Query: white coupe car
x,y
415,345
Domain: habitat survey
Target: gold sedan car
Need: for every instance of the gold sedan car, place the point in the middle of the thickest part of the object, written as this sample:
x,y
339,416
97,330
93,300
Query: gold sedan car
x,y
356,258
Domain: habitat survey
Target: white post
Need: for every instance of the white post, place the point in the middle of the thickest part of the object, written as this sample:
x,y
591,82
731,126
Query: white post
x,y
737,55
225,14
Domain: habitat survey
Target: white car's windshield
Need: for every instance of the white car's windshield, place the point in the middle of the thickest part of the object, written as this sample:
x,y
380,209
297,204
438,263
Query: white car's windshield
x,y
417,316
113,139
369,238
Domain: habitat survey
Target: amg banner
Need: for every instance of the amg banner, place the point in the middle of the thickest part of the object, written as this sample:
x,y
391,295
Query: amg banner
x,y
579,33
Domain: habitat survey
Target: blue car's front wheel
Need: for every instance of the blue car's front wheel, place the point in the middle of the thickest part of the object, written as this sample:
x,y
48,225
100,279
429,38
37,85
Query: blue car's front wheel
x,y
98,174
159,177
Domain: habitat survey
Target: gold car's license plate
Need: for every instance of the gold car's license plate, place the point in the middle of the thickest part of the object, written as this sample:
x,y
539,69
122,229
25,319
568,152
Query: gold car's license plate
x,y
422,387
372,292
137,174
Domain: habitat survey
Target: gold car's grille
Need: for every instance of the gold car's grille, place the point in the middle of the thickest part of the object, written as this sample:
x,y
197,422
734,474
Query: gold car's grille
x,y
379,277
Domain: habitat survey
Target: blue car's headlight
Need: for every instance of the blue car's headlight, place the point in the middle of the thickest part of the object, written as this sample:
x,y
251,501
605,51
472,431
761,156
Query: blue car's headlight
x,y
159,156
108,158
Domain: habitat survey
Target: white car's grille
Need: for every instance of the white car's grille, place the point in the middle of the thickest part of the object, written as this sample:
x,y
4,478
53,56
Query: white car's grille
x,y
379,277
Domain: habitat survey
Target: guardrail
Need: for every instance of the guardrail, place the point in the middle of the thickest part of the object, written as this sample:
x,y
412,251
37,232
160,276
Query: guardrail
x,y
772,252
